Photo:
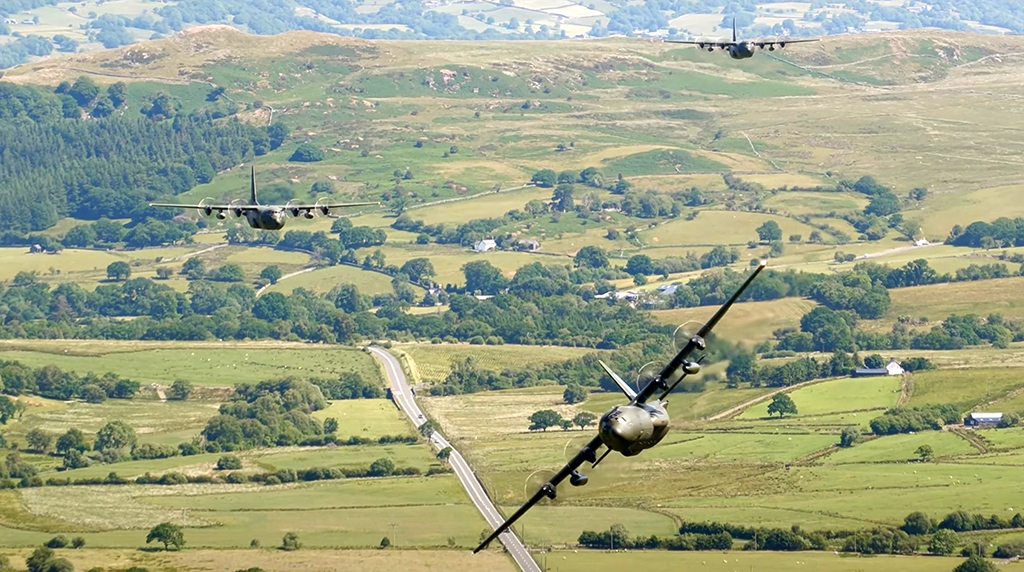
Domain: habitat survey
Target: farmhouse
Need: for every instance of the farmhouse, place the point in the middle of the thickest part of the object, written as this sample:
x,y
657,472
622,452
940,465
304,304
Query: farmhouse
x,y
892,368
982,419
485,245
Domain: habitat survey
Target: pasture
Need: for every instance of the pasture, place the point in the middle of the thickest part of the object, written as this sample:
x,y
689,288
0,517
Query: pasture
x,y
433,362
119,517
202,363
321,280
841,395
584,560
749,323
217,560
983,297
712,228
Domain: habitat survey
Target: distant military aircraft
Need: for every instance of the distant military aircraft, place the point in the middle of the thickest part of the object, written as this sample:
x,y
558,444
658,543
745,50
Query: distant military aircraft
x,y
266,217
741,50
632,428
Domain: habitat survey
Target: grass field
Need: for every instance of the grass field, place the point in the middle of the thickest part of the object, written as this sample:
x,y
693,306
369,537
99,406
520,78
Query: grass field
x,y
937,301
750,322
369,418
433,362
902,447
321,280
201,363
430,514
162,423
966,388
217,560
582,561
852,394
719,227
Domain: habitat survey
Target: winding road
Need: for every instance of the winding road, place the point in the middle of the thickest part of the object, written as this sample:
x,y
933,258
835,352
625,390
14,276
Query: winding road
x,y
403,396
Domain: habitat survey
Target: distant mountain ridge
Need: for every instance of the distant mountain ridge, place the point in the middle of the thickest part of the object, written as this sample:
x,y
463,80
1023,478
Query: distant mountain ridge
x,y
40,30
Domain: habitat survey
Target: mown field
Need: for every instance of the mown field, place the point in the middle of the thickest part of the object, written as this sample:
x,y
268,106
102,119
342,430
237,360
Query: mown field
x,y
433,362
210,364
215,560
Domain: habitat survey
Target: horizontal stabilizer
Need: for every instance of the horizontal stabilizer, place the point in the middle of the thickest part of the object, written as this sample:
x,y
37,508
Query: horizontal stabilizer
x,y
618,381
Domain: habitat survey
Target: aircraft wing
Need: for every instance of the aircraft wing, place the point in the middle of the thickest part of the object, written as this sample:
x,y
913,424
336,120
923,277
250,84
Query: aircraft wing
x,y
205,207
696,342
716,43
332,205
762,42
548,489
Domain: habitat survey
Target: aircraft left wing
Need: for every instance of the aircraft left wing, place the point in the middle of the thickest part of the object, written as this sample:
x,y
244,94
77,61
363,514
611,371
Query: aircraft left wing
x,y
333,205
715,43
548,489
205,207
781,42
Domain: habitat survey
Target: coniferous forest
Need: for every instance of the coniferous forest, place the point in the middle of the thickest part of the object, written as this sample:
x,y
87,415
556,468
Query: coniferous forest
x,y
79,153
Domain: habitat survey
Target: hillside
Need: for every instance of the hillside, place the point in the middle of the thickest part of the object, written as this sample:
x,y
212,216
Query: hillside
x,y
598,167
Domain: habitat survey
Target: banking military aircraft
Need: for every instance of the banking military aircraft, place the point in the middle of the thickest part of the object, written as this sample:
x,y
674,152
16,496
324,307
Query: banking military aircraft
x,y
739,50
632,428
265,217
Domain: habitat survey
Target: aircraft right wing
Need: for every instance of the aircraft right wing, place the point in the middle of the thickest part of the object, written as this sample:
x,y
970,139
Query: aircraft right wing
x,y
702,43
780,41
548,489
696,342
211,207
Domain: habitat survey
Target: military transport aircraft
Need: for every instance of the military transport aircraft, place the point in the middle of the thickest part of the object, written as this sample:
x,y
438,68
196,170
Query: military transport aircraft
x,y
741,50
632,428
266,217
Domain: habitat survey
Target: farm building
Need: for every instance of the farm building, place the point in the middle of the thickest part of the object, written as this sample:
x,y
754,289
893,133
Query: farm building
x,y
485,245
668,289
892,368
982,419
528,245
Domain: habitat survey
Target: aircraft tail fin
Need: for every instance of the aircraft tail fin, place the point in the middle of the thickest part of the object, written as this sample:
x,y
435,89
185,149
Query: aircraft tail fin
x,y
252,186
734,28
618,381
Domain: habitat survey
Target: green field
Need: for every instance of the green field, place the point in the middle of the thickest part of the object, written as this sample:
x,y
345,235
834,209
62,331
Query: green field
x,y
433,362
321,280
201,363
854,394
719,227
749,322
216,560
329,514
968,388
983,297
582,561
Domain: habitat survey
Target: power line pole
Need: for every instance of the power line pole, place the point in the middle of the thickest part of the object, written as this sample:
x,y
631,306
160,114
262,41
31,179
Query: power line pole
x,y
394,539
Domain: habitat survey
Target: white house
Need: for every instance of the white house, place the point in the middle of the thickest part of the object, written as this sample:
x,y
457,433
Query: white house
x,y
485,245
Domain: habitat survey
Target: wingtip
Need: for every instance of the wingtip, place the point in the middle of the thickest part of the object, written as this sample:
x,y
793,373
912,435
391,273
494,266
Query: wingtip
x,y
764,262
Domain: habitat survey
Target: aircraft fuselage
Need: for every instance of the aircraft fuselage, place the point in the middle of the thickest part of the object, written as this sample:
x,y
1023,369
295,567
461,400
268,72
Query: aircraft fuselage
x,y
266,218
629,429
741,51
